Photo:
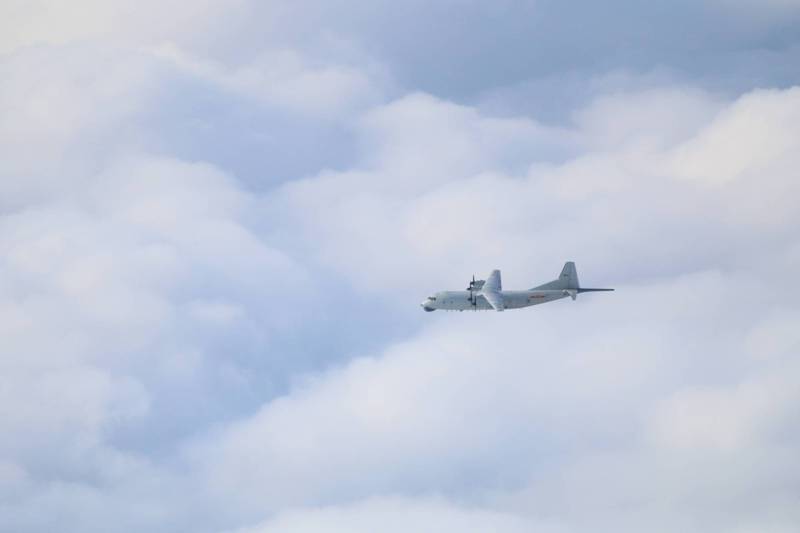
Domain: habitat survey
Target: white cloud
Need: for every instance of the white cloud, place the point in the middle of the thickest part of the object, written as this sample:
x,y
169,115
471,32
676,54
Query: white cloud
x,y
390,515
107,297
122,21
726,419
646,118
522,414
155,310
757,134
475,404
284,79
440,201
64,113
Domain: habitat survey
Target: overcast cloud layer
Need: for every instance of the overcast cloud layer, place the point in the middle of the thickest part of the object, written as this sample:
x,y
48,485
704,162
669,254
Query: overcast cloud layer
x,y
217,220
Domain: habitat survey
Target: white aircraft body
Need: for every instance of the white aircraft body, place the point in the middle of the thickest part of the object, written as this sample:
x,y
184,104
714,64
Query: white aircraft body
x,y
484,295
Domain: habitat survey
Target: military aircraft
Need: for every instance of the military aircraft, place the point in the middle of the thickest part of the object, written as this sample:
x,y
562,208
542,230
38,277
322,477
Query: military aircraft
x,y
484,295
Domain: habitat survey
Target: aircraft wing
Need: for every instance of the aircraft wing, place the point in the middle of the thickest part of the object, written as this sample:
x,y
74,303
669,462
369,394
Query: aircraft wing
x,y
491,291
495,299
493,282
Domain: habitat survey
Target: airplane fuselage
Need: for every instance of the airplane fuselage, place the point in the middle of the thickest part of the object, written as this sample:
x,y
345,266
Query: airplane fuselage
x,y
483,295
473,301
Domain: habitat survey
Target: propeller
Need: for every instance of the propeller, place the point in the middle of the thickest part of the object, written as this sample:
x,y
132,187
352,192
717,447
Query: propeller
x,y
472,298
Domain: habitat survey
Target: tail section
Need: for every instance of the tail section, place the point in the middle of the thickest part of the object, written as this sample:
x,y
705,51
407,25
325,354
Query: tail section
x,y
567,280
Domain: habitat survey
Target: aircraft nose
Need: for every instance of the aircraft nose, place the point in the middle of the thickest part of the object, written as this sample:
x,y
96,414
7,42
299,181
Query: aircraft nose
x,y
425,306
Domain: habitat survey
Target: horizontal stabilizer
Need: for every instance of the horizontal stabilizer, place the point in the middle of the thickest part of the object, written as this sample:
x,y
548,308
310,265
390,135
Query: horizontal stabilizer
x,y
593,290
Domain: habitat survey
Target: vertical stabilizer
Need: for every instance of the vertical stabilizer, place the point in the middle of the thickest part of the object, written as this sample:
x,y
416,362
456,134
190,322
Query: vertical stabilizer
x,y
567,280
569,276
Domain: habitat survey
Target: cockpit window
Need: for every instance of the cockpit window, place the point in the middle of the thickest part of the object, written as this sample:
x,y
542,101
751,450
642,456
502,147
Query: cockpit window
x,y
432,298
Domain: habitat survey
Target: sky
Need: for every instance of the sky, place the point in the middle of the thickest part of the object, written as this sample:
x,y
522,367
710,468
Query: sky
x,y
217,221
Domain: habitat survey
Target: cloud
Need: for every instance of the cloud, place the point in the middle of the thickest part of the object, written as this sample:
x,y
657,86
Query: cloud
x,y
548,430
725,420
432,203
398,515
123,21
216,226
458,50
284,79
755,135
432,414
100,296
